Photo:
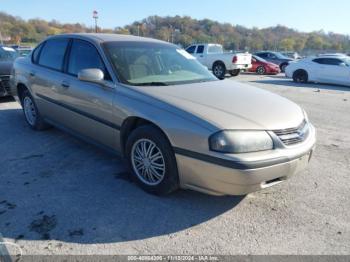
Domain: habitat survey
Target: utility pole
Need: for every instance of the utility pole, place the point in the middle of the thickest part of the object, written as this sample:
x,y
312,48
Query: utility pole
x,y
95,17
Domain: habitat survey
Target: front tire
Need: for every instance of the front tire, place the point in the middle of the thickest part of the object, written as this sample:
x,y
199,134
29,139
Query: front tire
x,y
31,112
235,72
300,76
152,160
219,70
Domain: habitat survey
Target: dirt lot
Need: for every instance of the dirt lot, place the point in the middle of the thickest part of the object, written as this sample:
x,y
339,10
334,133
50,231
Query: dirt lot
x,y
59,195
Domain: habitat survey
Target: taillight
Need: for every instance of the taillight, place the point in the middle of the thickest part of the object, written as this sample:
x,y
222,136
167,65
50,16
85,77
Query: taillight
x,y
234,59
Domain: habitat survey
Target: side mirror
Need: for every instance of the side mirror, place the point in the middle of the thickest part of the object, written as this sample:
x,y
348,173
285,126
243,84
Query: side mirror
x,y
93,75
343,64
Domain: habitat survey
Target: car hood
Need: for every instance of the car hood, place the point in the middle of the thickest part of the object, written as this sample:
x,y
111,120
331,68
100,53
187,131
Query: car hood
x,y
5,67
229,104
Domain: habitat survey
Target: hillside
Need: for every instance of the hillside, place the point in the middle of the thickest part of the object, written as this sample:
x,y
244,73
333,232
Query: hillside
x,y
184,31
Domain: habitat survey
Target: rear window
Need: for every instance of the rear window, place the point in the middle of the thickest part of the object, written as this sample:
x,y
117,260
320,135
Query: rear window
x,y
52,54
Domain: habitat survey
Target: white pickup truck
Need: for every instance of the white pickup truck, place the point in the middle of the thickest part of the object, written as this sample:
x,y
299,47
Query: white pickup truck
x,y
214,58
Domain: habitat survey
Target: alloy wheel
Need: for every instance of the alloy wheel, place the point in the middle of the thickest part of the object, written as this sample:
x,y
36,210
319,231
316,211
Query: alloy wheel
x,y
148,162
29,110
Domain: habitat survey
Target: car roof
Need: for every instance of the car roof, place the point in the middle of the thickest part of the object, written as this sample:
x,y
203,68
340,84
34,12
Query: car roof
x,y
260,52
100,38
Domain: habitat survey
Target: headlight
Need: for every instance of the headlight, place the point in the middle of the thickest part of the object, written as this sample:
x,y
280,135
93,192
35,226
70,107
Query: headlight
x,y
232,141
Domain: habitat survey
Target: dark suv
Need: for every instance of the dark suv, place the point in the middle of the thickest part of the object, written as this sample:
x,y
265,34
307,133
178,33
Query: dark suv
x,y
7,56
276,58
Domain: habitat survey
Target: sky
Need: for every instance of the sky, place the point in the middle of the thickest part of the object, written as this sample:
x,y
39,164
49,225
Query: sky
x,y
303,15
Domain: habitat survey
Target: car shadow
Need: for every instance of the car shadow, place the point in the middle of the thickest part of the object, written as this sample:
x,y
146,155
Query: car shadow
x,y
287,82
57,187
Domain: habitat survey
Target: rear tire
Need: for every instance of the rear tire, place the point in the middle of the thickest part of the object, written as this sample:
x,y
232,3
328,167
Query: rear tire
x,y
31,112
300,76
261,70
235,72
152,160
219,70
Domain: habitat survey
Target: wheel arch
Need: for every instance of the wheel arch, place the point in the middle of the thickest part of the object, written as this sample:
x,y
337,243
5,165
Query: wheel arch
x,y
218,62
301,70
130,124
20,88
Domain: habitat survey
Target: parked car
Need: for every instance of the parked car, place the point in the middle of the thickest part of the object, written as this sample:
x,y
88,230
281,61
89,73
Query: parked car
x,y
214,58
276,58
326,69
7,56
153,103
262,67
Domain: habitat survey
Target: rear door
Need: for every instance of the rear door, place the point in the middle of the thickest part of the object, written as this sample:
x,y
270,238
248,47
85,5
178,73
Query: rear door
x,y
333,70
46,74
88,107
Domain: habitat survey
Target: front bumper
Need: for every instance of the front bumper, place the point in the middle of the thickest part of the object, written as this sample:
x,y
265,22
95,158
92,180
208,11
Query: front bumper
x,y
215,179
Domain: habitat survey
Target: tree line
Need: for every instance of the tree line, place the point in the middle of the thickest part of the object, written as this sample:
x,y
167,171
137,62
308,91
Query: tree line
x,y
184,30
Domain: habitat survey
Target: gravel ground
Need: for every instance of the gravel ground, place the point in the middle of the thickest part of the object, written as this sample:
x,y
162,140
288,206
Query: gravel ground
x,y
59,195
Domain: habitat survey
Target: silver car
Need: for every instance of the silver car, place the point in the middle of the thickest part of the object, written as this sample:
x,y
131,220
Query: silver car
x,y
154,104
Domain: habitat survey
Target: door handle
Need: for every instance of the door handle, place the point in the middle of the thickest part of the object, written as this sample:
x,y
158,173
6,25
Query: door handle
x,y
65,84
32,73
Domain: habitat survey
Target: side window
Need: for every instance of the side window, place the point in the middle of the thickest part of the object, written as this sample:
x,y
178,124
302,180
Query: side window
x,y
84,55
332,61
263,55
36,53
52,54
318,60
191,49
272,56
200,49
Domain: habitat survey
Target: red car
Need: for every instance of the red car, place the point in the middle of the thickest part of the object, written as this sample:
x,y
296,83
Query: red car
x,y
262,67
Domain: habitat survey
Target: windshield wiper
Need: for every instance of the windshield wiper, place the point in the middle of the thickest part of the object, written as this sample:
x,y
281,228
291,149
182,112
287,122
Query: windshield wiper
x,y
151,84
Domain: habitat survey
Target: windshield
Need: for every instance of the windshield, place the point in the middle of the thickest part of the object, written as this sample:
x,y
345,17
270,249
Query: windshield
x,y
143,63
7,54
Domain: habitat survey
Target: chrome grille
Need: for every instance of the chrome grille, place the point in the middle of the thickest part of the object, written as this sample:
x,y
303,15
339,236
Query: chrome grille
x,y
292,136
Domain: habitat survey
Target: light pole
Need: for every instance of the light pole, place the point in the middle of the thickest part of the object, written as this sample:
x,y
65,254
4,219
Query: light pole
x,y
95,17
